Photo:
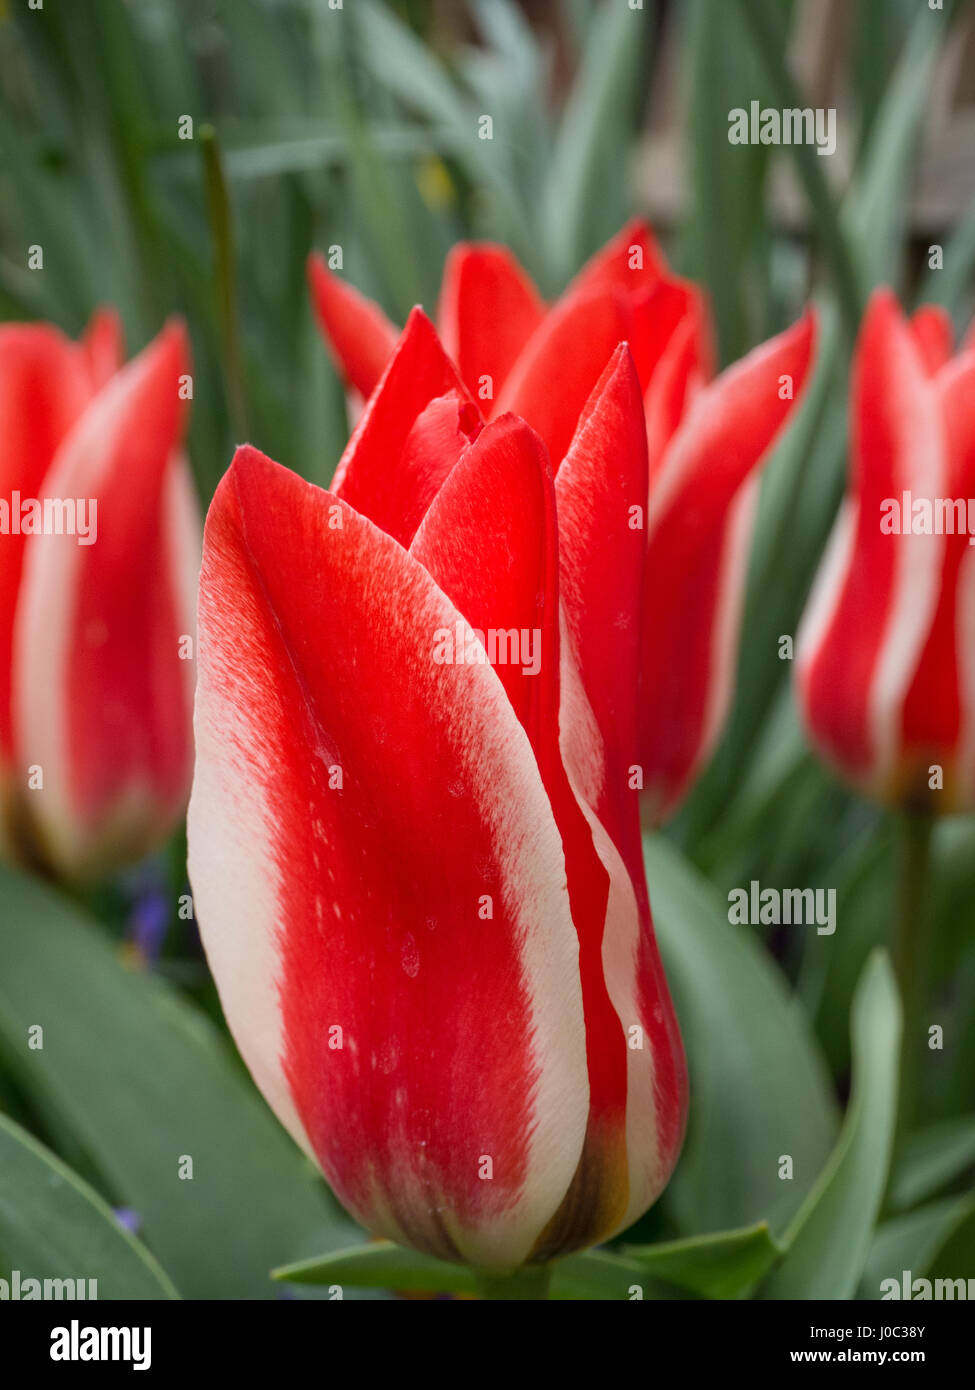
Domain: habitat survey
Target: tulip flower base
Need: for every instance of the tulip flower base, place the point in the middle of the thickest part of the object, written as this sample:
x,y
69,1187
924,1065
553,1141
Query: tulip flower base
x,y
530,1282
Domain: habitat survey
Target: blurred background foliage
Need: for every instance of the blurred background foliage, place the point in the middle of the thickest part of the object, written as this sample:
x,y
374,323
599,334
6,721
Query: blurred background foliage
x,y
314,126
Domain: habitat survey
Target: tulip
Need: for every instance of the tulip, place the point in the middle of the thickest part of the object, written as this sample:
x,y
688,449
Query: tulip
x,y
706,439
885,660
99,534
414,847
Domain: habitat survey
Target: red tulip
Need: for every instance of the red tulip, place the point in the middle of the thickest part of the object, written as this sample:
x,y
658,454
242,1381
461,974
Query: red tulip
x,y
886,654
705,439
414,849
99,538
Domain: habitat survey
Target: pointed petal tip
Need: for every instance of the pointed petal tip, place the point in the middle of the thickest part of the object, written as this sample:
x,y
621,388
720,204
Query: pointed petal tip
x,y
883,309
620,371
250,463
168,353
418,321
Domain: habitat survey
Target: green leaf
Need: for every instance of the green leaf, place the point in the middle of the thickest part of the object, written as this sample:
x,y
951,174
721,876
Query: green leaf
x,y
54,1226
727,183
875,207
829,1240
605,1276
140,1077
762,19
594,127
404,66
932,1158
934,1240
726,1265
951,284
381,1264
719,1266
758,1085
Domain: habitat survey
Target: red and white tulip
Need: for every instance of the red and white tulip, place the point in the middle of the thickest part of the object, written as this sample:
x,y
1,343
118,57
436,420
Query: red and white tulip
x,y
419,880
96,630
885,660
706,438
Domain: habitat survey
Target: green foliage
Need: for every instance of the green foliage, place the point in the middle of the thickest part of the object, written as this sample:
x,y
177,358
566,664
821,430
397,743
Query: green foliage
x,y
828,1240
759,1088
726,1265
53,1226
141,1081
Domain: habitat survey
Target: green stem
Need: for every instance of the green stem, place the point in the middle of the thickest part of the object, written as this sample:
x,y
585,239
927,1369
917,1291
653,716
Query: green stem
x,y
528,1282
910,949
222,233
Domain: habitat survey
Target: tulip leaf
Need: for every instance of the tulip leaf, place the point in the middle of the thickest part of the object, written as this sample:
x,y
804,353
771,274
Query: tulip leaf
x,y
931,1158
380,1264
876,205
143,1082
727,1264
759,1089
950,285
763,21
403,65
725,237
54,1226
927,1242
828,1242
579,207
608,1277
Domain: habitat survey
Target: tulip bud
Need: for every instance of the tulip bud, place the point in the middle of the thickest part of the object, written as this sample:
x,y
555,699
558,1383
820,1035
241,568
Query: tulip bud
x,y
97,605
885,661
414,852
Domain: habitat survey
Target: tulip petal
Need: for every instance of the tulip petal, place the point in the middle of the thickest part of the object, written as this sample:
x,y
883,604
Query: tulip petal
x,y
601,490
683,367
403,446
101,699
499,565
45,385
874,598
359,906
939,707
933,336
623,294
104,346
487,312
553,378
356,331
699,523
601,494
631,262
659,314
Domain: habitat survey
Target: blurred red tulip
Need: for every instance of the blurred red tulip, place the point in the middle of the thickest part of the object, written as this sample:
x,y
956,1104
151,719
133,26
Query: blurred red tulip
x,y
886,654
99,534
413,842
705,440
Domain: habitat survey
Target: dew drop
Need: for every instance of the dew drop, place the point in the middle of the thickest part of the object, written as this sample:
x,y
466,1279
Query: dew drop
x,y
411,956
